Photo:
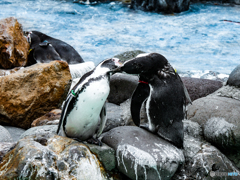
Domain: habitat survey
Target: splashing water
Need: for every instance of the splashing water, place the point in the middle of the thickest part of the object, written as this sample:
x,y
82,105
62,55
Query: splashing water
x,y
204,38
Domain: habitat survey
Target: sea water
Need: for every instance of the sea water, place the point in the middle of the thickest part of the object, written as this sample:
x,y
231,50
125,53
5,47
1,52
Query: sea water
x,y
195,41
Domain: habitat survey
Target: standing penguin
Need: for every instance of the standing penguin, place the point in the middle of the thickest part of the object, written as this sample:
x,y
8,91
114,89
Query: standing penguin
x,y
164,93
85,104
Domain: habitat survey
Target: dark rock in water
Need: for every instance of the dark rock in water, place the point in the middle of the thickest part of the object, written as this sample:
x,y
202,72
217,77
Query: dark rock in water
x,y
234,77
5,147
5,135
198,88
143,155
13,45
122,87
15,132
44,49
51,118
167,6
51,157
202,160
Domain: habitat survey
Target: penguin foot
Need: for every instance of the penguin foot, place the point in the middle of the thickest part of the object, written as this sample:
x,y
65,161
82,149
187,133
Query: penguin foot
x,y
94,141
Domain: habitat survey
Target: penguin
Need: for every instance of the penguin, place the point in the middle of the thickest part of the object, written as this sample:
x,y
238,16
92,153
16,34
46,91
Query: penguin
x,y
44,49
84,110
164,93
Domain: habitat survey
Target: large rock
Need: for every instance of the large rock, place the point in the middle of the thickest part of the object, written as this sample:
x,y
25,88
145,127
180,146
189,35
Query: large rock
x,y
198,88
51,157
13,45
128,55
15,132
219,116
167,6
203,161
5,147
142,155
5,135
234,77
32,92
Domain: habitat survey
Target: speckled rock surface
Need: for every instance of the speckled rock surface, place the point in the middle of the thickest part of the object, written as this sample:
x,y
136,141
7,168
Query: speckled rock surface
x,y
5,147
128,55
15,132
201,158
51,157
142,155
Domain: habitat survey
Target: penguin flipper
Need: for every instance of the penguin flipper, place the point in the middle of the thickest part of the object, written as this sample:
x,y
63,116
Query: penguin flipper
x,y
103,119
63,115
139,96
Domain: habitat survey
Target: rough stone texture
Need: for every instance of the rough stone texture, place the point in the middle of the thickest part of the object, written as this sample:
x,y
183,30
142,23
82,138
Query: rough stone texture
x,y
5,147
228,91
32,92
13,45
234,77
105,154
198,88
202,159
219,117
122,87
15,132
5,135
50,118
51,157
40,131
167,6
128,55
11,71
143,155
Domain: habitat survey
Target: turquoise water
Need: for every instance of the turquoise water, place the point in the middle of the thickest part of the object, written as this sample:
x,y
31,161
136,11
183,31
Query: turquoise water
x,y
194,40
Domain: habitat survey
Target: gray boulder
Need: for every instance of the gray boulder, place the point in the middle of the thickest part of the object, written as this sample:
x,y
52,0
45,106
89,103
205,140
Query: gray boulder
x,y
202,160
143,155
198,88
15,132
128,55
5,147
219,116
234,77
5,135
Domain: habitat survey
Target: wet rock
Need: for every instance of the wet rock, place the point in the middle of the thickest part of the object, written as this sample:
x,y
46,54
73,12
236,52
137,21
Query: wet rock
x,y
122,87
40,131
128,55
234,77
5,135
32,92
15,132
161,6
105,154
5,147
219,115
142,155
54,157
51,118
198,88
13,45
201,158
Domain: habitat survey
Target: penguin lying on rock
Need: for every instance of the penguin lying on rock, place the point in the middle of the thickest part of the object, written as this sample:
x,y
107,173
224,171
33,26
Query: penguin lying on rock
x,y
84,113
164,93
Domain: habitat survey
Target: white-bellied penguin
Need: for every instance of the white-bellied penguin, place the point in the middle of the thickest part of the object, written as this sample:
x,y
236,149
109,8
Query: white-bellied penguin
x,y
84,113
164,93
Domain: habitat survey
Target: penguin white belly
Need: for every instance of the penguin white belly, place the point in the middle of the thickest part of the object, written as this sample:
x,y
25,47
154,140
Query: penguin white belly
x,y
83,120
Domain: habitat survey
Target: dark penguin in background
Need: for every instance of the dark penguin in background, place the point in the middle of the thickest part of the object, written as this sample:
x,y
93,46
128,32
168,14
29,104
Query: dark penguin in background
x,y
164,93
83,114
44,49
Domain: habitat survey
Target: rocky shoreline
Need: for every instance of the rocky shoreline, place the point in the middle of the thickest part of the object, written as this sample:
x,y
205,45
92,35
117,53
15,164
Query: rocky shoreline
x,y
31,99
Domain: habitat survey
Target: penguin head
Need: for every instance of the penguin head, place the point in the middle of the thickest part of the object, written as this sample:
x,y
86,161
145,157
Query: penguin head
x,y
147,65
110,64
